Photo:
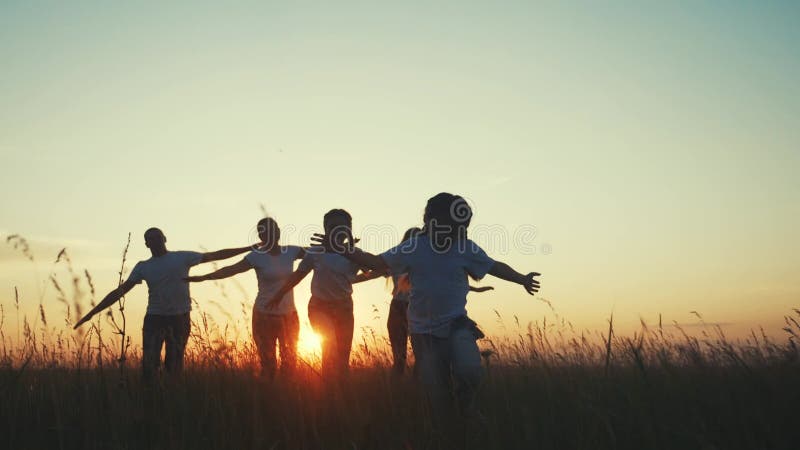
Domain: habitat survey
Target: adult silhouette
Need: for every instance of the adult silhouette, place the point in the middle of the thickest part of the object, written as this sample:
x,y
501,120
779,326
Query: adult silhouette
x,y
167,322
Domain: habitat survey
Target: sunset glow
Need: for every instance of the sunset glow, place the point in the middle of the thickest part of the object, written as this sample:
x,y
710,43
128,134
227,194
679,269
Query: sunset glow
x,y
309,346
512,224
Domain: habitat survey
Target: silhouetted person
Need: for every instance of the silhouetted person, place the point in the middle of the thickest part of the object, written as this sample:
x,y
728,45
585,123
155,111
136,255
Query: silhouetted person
x,y
330,309
397,322
439,262
273,264
167,319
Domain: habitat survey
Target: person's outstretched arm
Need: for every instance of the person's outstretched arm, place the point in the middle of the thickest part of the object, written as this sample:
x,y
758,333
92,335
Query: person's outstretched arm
x,y
108,300
363,259
224,254
505,272
481,288
225,272
296,277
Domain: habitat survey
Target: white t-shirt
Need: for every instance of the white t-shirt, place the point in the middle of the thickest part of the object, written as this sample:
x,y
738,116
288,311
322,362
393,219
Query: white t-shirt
x,y
167,292
333,275
439,283
271,273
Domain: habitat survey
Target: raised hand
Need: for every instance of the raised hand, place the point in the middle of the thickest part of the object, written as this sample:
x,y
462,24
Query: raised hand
x,y
531,284
326,242
320,240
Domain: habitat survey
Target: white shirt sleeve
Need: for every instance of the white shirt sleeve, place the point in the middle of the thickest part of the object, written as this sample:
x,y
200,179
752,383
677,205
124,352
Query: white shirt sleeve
x,y
397,258
192,258
136,274
478,263
251,258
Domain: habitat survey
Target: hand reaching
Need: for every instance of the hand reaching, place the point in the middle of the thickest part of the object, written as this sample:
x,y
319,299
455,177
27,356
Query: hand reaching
x,y
530,284
329,244
194,278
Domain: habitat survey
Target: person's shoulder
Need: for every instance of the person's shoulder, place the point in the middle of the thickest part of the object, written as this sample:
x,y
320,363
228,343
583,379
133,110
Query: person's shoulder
x,y
332,259
411,245
312,255
471,243
472,247
291,250
188,256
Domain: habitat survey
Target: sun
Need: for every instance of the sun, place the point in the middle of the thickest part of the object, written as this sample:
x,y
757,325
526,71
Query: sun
x,y
309,344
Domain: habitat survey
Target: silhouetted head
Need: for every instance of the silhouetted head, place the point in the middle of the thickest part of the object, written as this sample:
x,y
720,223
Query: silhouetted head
x,y
446,219
269,232
155,240
338,224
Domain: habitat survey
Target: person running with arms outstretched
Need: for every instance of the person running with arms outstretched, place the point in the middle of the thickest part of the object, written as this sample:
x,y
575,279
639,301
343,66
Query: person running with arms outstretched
x,y
167,321
330,309
439,262
273,264
397,323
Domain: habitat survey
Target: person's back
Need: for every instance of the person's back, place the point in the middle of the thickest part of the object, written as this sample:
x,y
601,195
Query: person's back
x,y
330,309
272,270
438,263
167,322
333,275
439,281
274,318
168,292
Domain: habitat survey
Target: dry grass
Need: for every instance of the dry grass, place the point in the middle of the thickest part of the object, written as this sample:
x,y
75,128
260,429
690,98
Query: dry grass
x,y
550,386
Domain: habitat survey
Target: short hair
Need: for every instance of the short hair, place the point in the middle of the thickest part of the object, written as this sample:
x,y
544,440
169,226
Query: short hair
x,y
152,230
266,223
334,213
448,214
447,208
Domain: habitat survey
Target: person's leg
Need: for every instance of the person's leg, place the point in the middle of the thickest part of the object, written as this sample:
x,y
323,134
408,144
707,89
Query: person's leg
x,y
467,370
288,342
264,335
398,334
344,336
177,336
433,368
323,324
152,341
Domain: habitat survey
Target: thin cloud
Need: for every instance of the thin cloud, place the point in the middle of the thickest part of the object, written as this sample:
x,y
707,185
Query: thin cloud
x,y
41,247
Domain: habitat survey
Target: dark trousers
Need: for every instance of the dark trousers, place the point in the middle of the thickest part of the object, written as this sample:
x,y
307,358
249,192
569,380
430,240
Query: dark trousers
x,y
398,333
333,320
449,362
269,329
160,331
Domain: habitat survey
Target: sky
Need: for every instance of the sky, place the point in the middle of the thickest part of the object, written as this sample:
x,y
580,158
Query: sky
x,y
642,156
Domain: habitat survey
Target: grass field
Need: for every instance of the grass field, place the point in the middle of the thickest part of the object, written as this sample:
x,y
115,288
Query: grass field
x,y
548,387
540,391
